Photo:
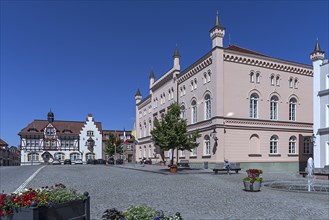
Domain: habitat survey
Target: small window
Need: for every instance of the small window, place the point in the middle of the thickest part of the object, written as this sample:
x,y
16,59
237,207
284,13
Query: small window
x,y
257,77
209,75
272,80
204,78
296,83
252,80
274,145
195,83
90,133
277,81
291,82
292,145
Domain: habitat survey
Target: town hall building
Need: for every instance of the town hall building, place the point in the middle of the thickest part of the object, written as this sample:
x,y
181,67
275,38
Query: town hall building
x,y
257,108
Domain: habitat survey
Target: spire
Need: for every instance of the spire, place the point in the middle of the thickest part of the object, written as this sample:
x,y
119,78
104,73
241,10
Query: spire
x,y
317,47
152,74
50,116
217,22
176,53
138,93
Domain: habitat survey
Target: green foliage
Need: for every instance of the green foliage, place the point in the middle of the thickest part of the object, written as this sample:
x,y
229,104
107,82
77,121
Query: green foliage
x,y
111,144
253,179
142,212
171,131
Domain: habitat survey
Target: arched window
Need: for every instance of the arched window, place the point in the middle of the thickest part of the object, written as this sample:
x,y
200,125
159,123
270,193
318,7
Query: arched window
x,y
182,112
74,156
252,77
184,90
192,85
291,82
140,152
277,80
296,83
274,108
172,93
140,130
206,145
145,129
59,156
307,145
207,106
257,77
272,80
160,99
194,112
204,78
195,83
292,109
274,144
209,75
150,152
169,94
254,106
90,156
292,145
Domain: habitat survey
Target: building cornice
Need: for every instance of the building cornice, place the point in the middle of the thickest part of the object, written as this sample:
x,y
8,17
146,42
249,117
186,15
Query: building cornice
x,y
268,62
196,67
163,80
145,102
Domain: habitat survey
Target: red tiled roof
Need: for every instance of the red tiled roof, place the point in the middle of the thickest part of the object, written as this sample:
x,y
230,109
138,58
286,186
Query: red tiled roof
x,y
243,50
37,127
3,143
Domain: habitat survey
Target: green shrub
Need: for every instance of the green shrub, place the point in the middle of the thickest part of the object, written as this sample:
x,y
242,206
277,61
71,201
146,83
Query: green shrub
x,y
142,212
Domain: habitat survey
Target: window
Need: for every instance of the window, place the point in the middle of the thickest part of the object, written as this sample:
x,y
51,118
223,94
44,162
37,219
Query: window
x,y
192,86
90,133
50,131
144,111
194,112
172,93
327,82
272,80
204,78
208,106
209,75
156,102
195,83
277,80
254,106
274,108
140,152
140,131
33,157
150,152
307,145
194,152
59,156
292,145
182,112
144,153
184,90
274,145
150,126
145,129
164,98
182,153
169,94
252,77
296,83
74,156
207,145
292,109
160,99
257,77
90,156
291,82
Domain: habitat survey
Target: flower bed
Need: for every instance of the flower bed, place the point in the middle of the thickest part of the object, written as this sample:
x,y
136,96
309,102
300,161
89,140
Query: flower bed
x,y
253,181
55,202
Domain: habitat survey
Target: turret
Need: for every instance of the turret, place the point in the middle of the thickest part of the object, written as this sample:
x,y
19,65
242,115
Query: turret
x,y
176,59
317,53
217,33
138,97
50,116
151,78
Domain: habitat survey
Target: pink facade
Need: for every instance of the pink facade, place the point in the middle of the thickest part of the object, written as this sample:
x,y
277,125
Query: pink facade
x,y
261,107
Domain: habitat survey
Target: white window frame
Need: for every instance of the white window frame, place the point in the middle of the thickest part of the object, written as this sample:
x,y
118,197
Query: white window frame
x,y
207,146
252,79
257,77
194,152
277,80
194,112
291,82
292,109
292,145
274,144
274,105
272,80
207,106
182,112
253,106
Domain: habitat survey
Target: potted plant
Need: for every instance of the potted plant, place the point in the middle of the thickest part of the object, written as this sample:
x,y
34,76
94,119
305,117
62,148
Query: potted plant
x,y
55,202
173,168
253,182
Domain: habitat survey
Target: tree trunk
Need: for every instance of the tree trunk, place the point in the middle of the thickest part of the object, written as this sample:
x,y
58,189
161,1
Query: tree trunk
x,y
177,157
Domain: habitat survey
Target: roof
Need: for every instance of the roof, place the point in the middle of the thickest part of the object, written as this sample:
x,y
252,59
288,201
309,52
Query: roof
x,y
138,93
62,127
243,50
3,143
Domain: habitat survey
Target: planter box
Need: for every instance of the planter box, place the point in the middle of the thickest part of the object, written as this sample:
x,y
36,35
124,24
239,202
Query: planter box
x,y
252,187
76,210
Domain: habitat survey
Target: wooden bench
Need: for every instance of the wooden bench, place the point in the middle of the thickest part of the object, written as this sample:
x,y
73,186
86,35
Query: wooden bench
x,y
183,163
304,174
234,167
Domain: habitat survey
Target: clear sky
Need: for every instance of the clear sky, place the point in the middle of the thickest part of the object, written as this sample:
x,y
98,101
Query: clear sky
x,y
80,57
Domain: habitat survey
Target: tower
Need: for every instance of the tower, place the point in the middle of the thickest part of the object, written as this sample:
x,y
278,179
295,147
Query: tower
x,y
151,79
138,97
50,116
217,33
176,59
317,57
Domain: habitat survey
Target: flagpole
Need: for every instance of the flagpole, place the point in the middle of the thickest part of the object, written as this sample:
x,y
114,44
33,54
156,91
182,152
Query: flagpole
x,y
115,148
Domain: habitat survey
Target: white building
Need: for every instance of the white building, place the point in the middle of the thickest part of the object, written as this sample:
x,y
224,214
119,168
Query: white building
x,y
46,140
320,107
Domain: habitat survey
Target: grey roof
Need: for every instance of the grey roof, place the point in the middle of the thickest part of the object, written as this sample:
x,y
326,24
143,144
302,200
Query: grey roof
x,y
176,53
317,47
217,24
138,93
152,74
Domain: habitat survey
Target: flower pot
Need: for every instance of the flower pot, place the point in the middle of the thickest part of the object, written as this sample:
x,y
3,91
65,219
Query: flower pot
x,y
252,186
252,175
173,168
79,209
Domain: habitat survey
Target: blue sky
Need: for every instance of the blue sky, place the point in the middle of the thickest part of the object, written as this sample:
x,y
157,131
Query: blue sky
x,y
80,57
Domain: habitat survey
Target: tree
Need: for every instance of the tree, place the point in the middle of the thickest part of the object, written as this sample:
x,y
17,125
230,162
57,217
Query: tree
x,y
170,132
113,145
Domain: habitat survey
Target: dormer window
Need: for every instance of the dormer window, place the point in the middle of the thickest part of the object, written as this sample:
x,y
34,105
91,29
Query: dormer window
x,y
90,133
50,131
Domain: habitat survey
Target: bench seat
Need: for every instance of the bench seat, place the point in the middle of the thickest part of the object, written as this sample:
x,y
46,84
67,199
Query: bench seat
x,y
234,167
183,163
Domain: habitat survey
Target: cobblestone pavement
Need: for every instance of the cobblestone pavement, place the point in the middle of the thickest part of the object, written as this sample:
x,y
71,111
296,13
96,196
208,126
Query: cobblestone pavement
x,y
196,194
